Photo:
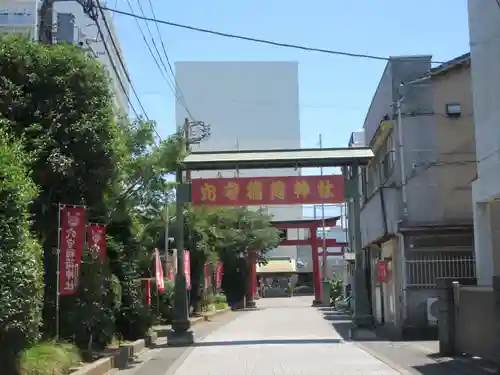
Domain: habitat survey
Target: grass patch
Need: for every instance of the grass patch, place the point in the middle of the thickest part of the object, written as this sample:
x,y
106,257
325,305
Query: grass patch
x,y
117,342
49,358
221,305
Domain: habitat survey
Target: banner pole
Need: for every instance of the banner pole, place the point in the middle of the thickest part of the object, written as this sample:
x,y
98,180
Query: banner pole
x,y
60,207
158,301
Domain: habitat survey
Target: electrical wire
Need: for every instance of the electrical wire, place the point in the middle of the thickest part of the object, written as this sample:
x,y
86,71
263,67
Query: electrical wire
x,y
176,84
160,64
155,58
261,41
120,59
113,65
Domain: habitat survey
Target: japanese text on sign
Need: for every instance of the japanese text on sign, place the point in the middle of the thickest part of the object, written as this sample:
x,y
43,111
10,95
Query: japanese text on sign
x,y
72,238
96,241
268,190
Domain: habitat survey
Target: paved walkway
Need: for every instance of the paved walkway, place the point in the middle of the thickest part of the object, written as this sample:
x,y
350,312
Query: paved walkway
x,y
285,336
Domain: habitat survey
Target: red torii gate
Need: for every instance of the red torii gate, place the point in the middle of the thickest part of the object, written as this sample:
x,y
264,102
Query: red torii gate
x,y
315,242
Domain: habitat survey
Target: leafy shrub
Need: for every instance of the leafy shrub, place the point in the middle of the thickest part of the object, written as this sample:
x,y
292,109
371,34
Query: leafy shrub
x,y
92,317
220,305
165,299
304,289
21,269
134,318
336,289
48,358
220,298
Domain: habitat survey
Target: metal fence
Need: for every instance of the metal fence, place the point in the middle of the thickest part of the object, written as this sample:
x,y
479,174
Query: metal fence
x,y
423,269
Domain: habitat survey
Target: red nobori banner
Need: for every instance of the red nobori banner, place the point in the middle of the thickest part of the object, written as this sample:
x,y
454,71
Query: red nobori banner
x,y
96,240
207,275
382,271
72,238
187,269
160,280
218,275
256,191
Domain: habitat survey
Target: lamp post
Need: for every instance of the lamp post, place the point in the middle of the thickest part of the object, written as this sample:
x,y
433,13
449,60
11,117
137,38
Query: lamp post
x,y
180,334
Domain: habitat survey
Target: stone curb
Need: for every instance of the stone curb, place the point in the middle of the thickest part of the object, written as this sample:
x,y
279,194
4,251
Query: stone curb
x,y
127,352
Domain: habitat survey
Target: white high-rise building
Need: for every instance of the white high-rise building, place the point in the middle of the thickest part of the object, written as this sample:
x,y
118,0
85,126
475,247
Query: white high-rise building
x,y
250,106
73,26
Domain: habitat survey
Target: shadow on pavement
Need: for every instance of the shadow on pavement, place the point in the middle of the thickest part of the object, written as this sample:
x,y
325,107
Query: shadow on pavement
x,y
453,367
324,308
270,342
336,316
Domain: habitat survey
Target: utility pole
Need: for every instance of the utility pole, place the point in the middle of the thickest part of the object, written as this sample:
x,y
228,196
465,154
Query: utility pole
x,y
187,134
324,253
167,222
46,24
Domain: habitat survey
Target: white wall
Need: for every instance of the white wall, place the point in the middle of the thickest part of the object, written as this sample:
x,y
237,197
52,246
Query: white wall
x,y
87,32
484,29
249,105
484,26
19,16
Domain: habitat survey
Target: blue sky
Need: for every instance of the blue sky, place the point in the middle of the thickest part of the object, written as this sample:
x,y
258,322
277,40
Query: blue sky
x,y
335,91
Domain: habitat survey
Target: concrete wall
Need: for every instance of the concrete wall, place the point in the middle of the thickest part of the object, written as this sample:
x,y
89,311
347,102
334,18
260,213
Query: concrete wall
x,y
474,327
484,28
440,150
372,216
455,144
249,105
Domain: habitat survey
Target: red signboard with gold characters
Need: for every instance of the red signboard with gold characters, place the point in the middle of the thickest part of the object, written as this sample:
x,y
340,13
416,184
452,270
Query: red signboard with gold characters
x,y
266,191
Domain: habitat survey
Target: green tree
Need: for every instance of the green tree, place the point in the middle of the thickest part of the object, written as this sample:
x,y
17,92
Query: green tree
x,y
228,234
136,204
21,267
57,99
98,297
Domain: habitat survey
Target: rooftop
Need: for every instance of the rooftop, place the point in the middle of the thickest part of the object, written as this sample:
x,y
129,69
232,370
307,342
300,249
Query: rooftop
x,y
276,159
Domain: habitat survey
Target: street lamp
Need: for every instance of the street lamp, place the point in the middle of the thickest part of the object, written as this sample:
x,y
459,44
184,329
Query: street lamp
x,y
180,334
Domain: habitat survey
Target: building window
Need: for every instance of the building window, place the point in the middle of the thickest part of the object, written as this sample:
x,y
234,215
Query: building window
x,y
364,178
387,159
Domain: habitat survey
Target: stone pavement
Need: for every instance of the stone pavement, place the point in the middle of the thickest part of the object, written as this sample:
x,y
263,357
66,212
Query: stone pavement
x,y
284,336
287,336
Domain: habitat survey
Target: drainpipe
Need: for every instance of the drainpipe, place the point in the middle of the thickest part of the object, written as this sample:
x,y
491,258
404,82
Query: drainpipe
x,y
404,198
402,166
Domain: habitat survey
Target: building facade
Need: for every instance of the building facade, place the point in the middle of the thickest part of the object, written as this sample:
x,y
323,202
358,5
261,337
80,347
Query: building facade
x,y
71,26
474,310
416,216
75,27
250,106
357,139
484,26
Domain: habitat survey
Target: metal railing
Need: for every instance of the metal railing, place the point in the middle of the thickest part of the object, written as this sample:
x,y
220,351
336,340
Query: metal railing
x,y
424,269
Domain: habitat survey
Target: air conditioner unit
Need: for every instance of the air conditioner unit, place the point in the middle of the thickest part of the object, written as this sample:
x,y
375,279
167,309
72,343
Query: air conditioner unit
x,y
432,310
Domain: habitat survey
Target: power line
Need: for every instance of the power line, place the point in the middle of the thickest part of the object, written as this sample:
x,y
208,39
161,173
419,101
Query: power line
x,y
176,84
113,65
165,72
120,59
261,41
155,58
